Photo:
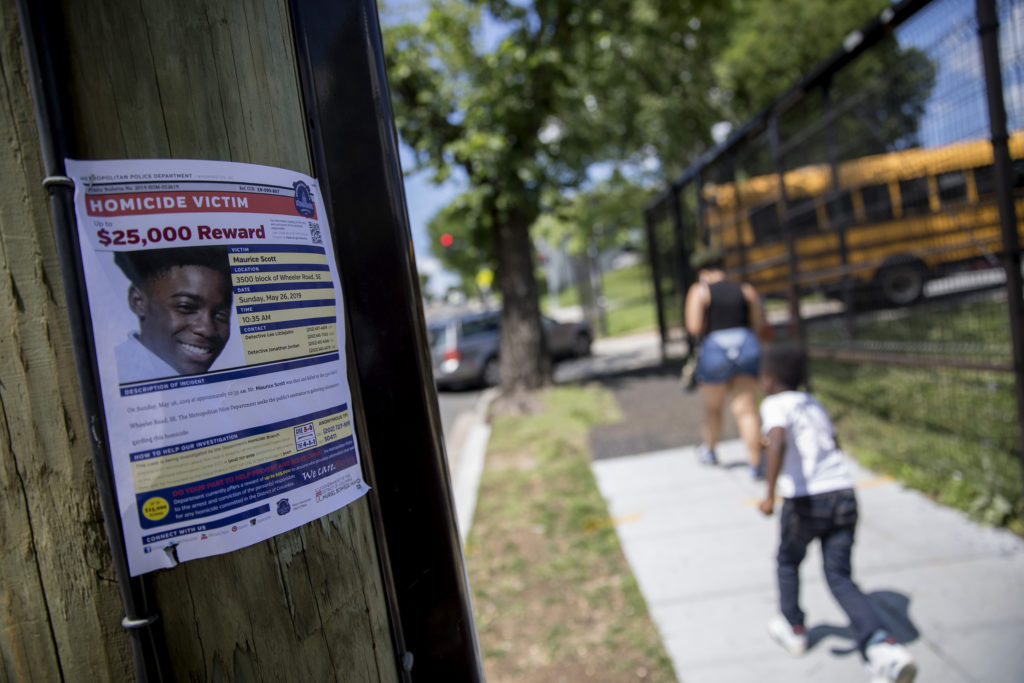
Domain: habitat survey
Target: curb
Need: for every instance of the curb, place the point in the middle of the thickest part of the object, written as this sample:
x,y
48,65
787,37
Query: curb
x,y
469,464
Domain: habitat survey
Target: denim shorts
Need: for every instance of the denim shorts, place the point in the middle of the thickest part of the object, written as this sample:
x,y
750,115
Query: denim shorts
x,y
727,353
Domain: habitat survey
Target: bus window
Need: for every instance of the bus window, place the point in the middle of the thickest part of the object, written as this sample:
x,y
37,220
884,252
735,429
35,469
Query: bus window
x,y
877,203
803,216
840,209
984,180
764,220
952,187
914,194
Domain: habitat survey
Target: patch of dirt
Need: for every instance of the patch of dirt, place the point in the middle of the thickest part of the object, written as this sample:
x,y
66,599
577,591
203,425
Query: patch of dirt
x,y
520,402
656,414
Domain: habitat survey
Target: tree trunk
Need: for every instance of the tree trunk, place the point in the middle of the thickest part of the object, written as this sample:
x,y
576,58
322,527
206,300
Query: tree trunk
x,y
213,79
525,364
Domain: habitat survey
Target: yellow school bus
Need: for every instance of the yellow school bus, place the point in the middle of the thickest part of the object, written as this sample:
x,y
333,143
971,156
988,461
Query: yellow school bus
x,y
888,221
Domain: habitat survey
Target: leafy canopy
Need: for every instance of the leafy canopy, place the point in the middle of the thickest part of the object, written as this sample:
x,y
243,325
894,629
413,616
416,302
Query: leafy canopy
x,y
526,96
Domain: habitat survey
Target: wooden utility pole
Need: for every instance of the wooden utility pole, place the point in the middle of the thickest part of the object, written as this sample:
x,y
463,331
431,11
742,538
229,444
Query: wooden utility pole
x,y
204,79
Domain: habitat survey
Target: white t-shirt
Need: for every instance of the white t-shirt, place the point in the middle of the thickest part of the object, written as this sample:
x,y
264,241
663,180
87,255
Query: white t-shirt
x,y
812,462
136,363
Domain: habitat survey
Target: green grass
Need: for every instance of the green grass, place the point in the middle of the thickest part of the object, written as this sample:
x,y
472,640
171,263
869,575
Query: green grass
x,y
943,432
632,283
630,317
977,327
949,432
629,295
553,594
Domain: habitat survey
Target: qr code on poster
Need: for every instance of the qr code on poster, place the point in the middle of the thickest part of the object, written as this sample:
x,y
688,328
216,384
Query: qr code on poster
x,y
314,233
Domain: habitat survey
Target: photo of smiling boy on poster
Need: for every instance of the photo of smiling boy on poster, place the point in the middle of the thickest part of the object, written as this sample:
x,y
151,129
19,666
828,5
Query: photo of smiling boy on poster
x,y
182,299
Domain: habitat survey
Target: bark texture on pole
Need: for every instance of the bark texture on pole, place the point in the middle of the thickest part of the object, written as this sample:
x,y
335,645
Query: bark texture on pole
x,y
60,606
210,79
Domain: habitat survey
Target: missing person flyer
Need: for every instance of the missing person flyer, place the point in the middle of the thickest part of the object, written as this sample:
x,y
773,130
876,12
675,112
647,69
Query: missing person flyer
x,y
217,315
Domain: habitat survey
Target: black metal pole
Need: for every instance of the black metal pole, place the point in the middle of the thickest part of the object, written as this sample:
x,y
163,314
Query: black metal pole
x,y
652,254
683,272
796,323
355,152
741,243
833,163
682,275
988,32
701,224
40,38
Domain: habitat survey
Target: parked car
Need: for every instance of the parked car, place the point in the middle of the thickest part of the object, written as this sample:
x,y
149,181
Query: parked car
x,y
464,348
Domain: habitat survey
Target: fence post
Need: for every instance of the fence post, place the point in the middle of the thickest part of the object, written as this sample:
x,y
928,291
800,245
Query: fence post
x,y
833,162
988,31
683,272
701,224
741,245
796,323
652,251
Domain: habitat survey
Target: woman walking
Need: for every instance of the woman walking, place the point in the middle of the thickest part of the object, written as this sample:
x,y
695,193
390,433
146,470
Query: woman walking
x,y
723,317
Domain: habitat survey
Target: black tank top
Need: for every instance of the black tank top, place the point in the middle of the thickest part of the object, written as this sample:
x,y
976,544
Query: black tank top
x,y
728,307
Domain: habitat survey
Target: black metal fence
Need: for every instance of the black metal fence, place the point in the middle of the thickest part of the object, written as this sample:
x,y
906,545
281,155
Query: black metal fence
x,y
876,206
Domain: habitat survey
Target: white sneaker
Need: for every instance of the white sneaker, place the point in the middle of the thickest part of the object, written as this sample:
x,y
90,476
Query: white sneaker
x,y
706,455
792,639
890,662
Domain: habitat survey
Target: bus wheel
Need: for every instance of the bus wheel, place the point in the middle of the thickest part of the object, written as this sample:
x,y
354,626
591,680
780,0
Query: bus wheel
x,y
900,284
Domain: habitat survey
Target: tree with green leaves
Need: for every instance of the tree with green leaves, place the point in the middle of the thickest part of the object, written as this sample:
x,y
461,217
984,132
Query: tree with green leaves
x,y
598,216
469,249
879,98
591,222
523,98
772,43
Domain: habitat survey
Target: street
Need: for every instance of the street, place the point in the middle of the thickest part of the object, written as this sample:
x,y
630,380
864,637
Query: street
x,y
607,356
453,404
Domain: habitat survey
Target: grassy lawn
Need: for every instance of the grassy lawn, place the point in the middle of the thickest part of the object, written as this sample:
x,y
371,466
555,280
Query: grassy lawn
x,y
951,433
630,300
554,597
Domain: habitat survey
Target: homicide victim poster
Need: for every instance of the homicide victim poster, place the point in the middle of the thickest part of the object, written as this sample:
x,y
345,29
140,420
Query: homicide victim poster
x,y
217,315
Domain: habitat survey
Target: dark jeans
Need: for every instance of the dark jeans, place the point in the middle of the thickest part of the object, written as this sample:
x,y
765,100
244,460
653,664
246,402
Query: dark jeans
x,y
831,517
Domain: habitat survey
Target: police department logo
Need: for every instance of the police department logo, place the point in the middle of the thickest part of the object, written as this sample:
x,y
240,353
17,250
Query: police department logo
x,y
303,199
283,507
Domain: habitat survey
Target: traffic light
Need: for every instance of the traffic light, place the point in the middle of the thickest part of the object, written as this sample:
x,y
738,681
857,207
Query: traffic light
x,y
446,239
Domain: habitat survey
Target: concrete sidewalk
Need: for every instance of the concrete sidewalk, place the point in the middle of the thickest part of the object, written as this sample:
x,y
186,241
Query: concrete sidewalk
x,y
703,555
704,559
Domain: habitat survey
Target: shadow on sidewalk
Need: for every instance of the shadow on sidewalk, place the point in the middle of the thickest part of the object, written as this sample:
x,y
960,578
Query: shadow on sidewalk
x,y
656,412
895,609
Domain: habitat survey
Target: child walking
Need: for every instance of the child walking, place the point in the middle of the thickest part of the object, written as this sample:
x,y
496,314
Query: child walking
x,y
804,465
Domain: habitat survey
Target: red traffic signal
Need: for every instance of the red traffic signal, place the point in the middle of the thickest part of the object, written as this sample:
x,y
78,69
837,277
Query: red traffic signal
x,y
446,240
